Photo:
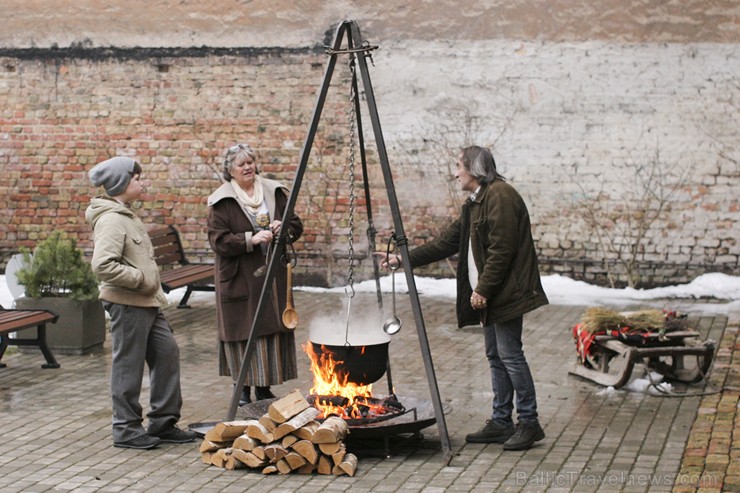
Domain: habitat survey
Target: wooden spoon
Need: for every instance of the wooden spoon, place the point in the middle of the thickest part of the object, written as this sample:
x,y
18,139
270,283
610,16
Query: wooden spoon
x,y
290,316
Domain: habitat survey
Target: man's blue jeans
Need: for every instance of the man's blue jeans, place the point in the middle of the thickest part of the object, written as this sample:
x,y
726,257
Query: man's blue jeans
x,y
509,373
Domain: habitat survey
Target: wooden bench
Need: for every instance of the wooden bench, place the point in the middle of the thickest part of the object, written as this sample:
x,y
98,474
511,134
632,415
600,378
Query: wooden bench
x,y
15,320
177,271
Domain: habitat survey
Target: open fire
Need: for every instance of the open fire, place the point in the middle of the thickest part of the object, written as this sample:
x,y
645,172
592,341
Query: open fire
x,y
334,394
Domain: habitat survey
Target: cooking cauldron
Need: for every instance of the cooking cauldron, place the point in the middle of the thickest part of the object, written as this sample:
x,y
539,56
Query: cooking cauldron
x,y
363,361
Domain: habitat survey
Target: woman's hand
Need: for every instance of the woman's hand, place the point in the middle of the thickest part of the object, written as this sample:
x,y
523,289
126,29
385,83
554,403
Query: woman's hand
x,y
388,261
263,237
275,226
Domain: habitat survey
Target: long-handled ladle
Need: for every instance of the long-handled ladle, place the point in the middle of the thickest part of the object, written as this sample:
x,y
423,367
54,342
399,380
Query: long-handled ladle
x,y
290,316
393,324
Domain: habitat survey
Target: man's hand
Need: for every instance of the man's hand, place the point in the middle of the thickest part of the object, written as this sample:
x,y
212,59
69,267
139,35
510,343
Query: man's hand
x,y
478,302
388,262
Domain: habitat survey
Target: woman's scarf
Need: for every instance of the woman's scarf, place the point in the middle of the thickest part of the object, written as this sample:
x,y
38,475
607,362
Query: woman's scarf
x,y
252,204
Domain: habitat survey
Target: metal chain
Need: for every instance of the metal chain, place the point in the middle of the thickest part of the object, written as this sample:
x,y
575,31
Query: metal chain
x,y
350,290
351,175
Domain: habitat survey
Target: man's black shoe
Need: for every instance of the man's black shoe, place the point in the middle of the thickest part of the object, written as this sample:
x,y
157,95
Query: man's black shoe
x,y
525,436
174,434
491,433
143,442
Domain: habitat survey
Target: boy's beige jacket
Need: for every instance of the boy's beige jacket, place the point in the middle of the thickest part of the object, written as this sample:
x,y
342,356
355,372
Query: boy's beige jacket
x,y
123,257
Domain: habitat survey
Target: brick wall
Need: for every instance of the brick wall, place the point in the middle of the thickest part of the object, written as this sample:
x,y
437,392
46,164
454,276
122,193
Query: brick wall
x,y
564,119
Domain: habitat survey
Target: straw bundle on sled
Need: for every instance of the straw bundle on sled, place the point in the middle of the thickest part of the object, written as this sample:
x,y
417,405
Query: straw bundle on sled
x,y
596,320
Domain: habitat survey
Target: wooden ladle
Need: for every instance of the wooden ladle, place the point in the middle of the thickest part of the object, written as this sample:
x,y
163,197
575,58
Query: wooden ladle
x,y
290,316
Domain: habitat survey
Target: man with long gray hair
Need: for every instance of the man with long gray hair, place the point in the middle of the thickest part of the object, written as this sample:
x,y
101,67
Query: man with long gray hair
x,y
498,281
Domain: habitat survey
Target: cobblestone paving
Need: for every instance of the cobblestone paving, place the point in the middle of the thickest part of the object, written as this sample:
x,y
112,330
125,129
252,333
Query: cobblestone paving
x,y
55,424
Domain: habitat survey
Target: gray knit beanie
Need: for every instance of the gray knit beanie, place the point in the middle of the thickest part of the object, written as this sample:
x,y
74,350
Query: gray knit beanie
x,y
114,174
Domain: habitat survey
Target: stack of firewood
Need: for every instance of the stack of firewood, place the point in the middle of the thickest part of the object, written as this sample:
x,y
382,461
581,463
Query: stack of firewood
x,y
287,438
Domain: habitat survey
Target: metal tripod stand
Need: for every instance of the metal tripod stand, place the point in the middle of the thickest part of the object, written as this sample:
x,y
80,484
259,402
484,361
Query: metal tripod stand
x,y
354,46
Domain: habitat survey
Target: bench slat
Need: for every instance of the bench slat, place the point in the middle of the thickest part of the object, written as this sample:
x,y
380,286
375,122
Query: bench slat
x,y
12,320
176,271
180,279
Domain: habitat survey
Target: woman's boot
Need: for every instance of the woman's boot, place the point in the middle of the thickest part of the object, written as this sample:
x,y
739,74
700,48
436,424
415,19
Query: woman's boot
x,y
245,397
262,393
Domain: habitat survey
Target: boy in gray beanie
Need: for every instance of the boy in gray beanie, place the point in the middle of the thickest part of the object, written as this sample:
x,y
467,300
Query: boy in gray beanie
x,y
114,174
123,261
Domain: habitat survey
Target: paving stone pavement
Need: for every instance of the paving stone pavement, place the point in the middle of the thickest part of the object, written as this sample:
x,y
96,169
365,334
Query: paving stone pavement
x,y
55,424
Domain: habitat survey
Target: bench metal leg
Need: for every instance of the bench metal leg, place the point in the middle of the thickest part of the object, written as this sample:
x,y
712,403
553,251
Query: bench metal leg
x,y
184,301
39,341
51,362
3,347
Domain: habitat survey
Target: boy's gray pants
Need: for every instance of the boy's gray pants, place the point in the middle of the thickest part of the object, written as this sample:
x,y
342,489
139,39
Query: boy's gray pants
x,y
142,335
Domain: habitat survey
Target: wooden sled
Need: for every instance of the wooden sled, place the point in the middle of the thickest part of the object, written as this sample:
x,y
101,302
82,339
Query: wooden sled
x,y
612,360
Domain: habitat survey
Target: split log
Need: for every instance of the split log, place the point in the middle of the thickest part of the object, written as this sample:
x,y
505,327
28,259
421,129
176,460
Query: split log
x,y
348,466
306,431
275,452
283,467
219,457
307,450
269,424
307,468
283,409
296,422
259,452
206,457
245,442
325,466
288,440
270,469
248,458
295,460
338,457
332,430
233,463
330,448
209,446
227,431
256,430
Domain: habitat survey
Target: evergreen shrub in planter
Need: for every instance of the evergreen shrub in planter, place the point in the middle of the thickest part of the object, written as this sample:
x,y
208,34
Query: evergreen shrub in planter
x,y
56,277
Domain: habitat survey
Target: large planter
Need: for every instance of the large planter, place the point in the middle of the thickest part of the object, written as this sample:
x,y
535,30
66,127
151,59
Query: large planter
x,y
80,328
